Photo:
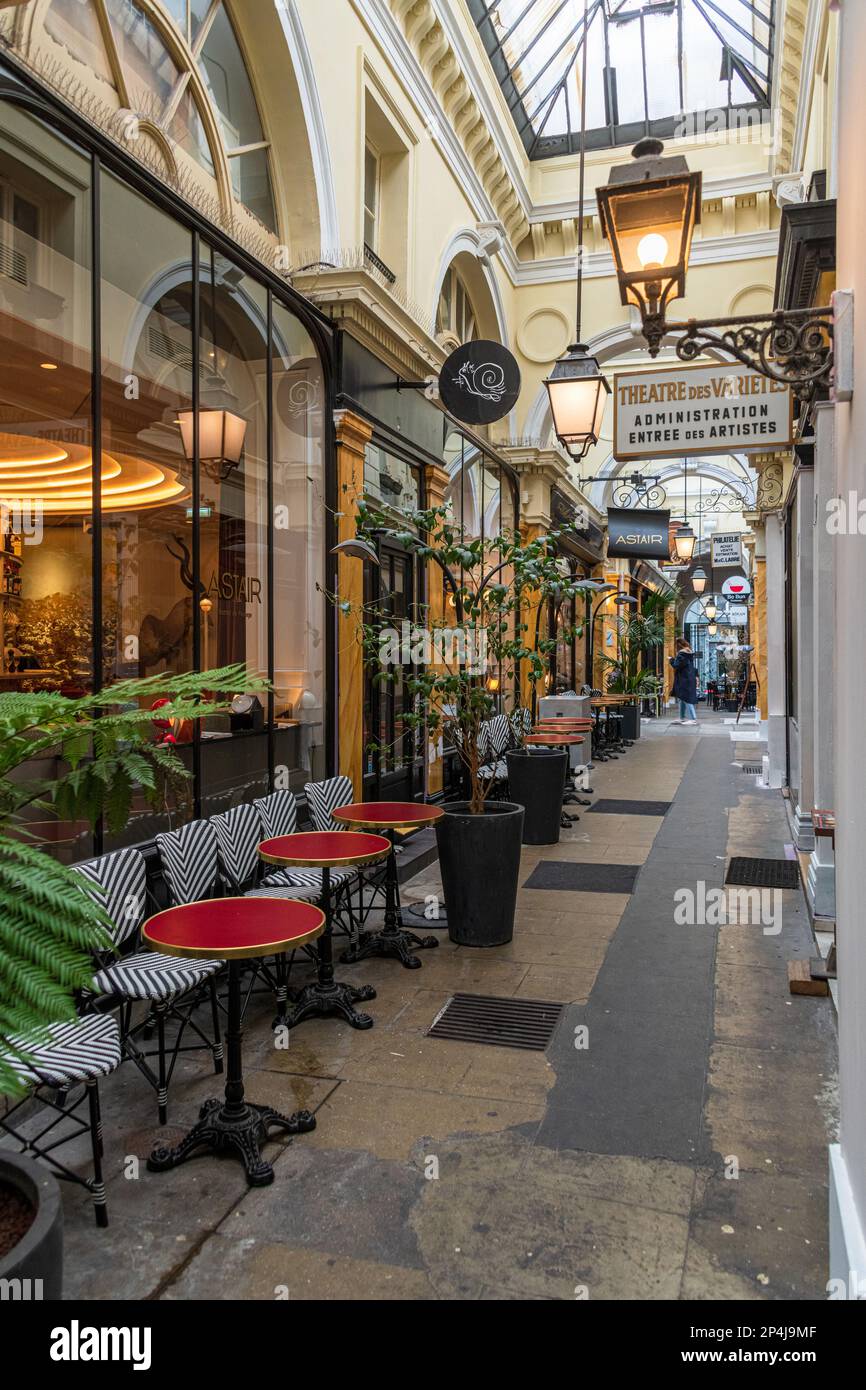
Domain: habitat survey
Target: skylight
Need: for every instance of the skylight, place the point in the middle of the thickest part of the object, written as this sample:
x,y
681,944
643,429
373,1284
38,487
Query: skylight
x,y
655,67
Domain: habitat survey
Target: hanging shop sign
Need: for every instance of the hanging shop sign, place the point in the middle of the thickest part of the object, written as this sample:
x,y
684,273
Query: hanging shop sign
x,y
727,550
737,587
479,382
685,411
637,532
737,615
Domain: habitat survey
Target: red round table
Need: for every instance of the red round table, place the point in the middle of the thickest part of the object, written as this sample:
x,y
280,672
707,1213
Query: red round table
x,y
233,929
389,816
326,850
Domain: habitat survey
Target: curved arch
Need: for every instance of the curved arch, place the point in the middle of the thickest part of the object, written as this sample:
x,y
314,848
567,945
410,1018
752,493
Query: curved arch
x,y
469,242
317,135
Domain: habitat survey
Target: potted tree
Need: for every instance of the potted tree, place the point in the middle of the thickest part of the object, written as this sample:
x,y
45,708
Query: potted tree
x,y
103,747
467,659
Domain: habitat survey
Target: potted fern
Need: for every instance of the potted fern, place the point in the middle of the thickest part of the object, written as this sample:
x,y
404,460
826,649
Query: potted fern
x,y
468,658
103,748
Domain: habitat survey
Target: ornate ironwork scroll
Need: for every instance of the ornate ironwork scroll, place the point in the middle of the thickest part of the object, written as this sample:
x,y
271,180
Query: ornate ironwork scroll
x,y
791,346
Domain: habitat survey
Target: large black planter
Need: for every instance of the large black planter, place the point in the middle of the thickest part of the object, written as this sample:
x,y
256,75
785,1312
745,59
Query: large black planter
x,y
39,1254
479,858
536,781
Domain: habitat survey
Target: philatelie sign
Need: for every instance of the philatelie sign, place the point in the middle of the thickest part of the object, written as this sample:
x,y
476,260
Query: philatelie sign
x,y
727,550
699,410
633,532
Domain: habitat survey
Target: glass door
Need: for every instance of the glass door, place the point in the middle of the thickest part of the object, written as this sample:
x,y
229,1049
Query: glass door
x,y
393,764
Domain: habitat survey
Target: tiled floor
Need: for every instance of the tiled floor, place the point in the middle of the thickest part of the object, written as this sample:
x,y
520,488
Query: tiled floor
x,y
670,1143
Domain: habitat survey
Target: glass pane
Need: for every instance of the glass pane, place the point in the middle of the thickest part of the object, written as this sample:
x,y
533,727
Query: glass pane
x,y
147,581
188,130
198,10
148,67
234,474
225,74
299,522
389,480
73,24
45,425
178,11
251,181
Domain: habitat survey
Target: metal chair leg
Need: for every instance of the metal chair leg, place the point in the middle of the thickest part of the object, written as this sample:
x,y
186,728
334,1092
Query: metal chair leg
x,y
100,1206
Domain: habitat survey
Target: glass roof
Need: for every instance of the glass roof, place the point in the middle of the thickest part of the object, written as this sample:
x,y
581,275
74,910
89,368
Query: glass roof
x,y
654,67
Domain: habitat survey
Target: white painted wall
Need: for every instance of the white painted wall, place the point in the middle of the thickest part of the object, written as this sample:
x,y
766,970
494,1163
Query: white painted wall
x,y
850,673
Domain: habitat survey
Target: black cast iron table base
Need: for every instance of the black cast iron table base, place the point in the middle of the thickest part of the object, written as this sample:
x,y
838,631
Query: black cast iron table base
x,y
389,942
318,1001
223,1128
393,940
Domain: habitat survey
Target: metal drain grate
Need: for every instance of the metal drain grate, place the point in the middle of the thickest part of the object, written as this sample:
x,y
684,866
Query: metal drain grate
x,y
763,873
754,769
486,1018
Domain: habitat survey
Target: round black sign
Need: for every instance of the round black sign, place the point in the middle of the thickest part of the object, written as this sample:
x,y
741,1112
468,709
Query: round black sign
x,y
479,382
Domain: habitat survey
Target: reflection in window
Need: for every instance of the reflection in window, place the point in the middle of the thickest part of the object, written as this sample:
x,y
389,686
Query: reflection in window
x,y
74,25
45,424
299,522
148,66
389,481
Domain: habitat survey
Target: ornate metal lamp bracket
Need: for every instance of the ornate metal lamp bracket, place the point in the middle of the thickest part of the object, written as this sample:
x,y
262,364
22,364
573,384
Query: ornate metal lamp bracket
x,y
791,346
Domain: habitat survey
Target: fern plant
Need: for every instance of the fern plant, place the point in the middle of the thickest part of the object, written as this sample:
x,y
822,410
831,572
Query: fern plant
x,y
105,746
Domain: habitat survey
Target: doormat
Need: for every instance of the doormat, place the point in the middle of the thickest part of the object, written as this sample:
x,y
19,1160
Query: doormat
x,y
485,1018
763,873
631,808
583,878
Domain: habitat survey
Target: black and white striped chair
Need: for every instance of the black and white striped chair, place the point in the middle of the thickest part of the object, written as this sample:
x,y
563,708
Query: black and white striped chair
x,y
71,1055
497,737
238,834
322,799
278,814
171,986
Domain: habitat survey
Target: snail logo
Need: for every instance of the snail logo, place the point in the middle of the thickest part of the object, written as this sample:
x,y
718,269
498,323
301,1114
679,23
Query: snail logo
x,y
479,382
485,380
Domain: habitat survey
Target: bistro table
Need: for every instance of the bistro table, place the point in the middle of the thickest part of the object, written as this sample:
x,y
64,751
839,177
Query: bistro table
x,y
326,850
233,929
389,816
541,738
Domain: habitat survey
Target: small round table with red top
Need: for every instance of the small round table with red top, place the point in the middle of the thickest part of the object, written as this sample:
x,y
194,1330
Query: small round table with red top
x,y
233,929
327,850
388,817
542,737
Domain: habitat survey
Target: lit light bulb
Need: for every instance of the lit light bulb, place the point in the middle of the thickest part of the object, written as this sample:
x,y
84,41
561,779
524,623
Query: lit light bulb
x,y
652,250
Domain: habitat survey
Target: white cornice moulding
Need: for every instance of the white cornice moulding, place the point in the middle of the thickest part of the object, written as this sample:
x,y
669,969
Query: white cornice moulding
x,y
712,188
487,105
747,247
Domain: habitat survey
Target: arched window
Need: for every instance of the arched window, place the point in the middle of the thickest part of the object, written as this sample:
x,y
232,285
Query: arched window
x,y
176,72
456,319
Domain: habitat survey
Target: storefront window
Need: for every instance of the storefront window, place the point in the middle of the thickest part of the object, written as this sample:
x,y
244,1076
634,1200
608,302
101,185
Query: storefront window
x,y
196,511
299,529
46,463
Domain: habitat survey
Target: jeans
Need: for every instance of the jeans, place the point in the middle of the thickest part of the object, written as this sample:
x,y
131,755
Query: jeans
x,y
687,711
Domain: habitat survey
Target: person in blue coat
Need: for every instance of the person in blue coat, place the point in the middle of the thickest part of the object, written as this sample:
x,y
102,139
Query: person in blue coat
x,y
685,682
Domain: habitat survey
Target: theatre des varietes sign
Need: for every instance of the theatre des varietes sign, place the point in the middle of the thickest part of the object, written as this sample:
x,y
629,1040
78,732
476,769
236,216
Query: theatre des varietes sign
x,y
720,409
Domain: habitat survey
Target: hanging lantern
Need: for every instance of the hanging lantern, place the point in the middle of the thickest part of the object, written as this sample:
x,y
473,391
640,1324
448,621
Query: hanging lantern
x,y
699,580
648,212
578,392
684,542
710,609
